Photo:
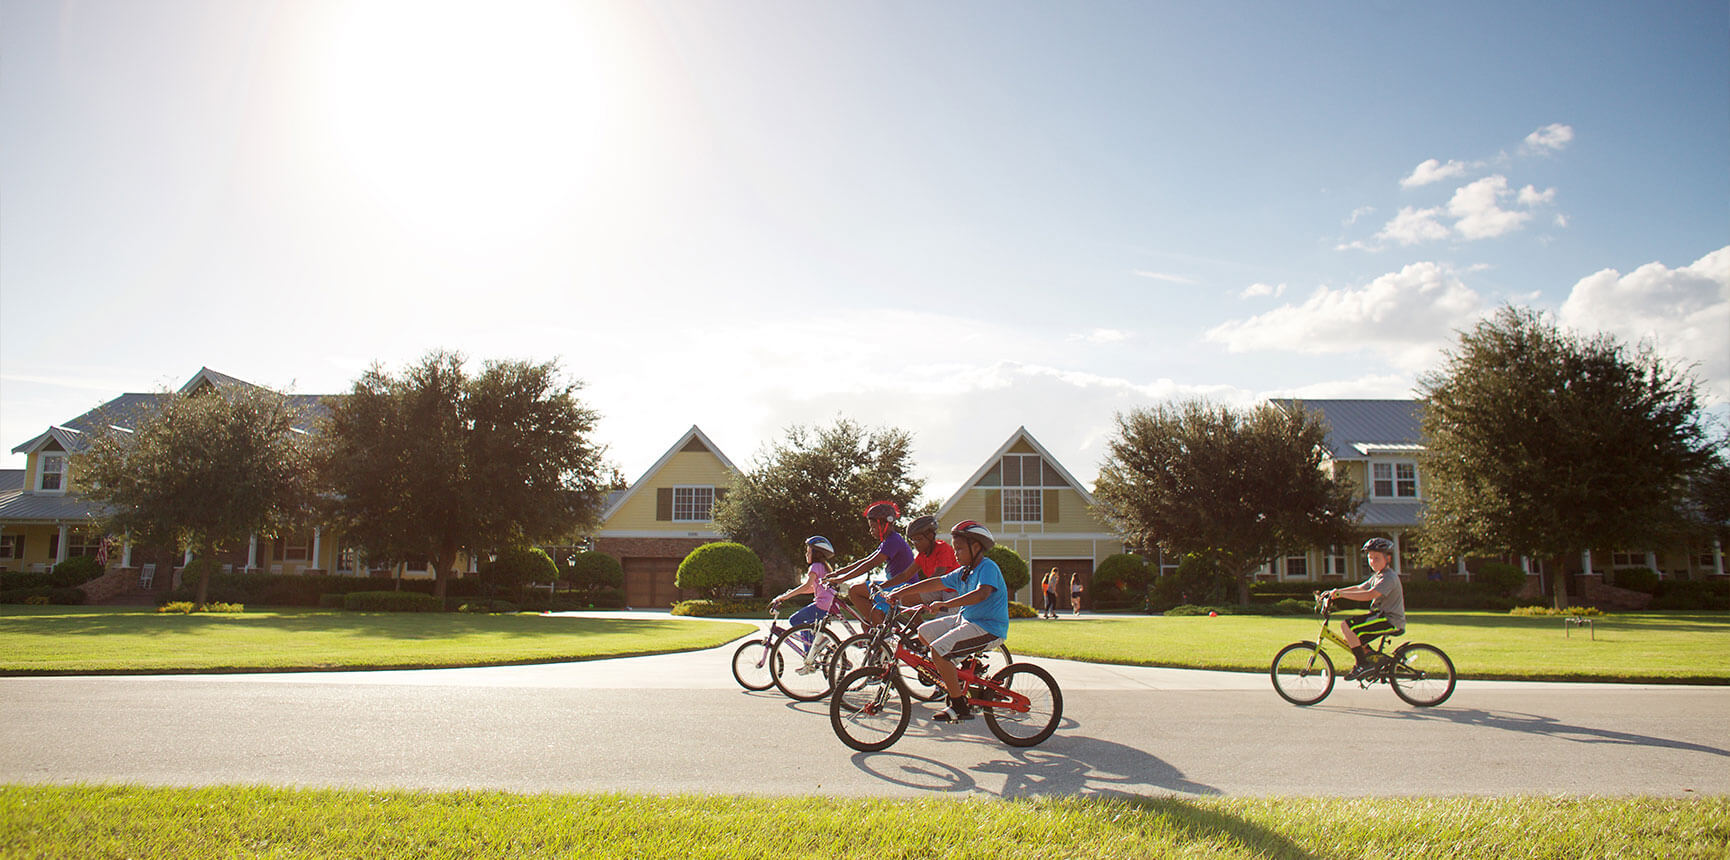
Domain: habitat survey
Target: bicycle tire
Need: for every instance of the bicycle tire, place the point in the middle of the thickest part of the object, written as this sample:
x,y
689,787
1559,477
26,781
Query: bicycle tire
x,y
1045,706
1422,675
751,665
801,670
870,710
852,655
1302,673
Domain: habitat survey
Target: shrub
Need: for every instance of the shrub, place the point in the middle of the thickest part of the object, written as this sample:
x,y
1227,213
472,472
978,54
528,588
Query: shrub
x,y
391,601
1197,578
36,600
714,608
593,571
1501,578
1293,606
516,567
1021,610
76,570
1677,594
1014,567
331,601
1642,579
1424,594
716,567
1121,580
488,606
25,581
1192,609
1576,611
67,596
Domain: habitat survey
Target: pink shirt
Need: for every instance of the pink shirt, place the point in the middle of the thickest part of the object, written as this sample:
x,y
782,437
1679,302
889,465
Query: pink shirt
x,y
823,594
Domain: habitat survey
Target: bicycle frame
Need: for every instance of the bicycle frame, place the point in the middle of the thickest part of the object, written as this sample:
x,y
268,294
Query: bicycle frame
x,y
1326,610
1009,701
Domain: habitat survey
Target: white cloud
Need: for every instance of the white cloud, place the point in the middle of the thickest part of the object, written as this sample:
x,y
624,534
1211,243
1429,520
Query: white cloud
x,y
1162,276
1561,220
1255,290
1360,212
1432,171
1102,335
1478,208
1686,313
1407,316
1412,226
1530,196
1550,138
1379,386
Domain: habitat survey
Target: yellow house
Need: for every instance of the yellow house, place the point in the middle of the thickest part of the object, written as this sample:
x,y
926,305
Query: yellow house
x,y
665,514
1033,505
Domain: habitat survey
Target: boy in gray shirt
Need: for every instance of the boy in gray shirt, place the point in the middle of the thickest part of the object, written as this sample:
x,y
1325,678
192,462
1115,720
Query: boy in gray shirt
x,y
1387,606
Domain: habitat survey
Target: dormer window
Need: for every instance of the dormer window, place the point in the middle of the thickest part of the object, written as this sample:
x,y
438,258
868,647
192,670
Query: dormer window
x,y
1398,480
693,504
51,473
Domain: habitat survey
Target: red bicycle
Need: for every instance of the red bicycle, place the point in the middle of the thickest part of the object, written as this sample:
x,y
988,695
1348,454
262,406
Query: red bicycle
x,y
872,707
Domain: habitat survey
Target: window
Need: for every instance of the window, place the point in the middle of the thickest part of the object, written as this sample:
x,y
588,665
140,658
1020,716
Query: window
x,y
293,547
80,542
1628,559
693,504
1334,563
1297,567
1394,480
346,558
51,473
12,546
1023,506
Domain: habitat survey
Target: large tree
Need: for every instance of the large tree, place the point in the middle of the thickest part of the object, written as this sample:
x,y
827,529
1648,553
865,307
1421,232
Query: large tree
x,y
818,481
1546,443
1245,486
436,461
205,470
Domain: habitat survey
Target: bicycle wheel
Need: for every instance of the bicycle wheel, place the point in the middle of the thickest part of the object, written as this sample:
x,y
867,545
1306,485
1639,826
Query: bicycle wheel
x,y
870,709
751,665
1302,673
854,653
800,667
1422,675
1045,706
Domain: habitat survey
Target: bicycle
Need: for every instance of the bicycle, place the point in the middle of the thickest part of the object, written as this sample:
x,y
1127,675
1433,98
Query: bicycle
x,y
1420,673
751,658
872,707
922,684
800,656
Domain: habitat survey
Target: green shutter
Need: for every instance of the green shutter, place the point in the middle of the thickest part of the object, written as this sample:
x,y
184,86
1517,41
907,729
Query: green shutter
x,y
994,506
1048,510
664,504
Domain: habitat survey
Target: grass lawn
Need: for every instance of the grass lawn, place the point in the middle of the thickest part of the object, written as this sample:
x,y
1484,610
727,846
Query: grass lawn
x,y
74,639
1650,646
79,821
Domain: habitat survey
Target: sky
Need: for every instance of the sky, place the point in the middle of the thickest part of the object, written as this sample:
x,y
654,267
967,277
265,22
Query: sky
x,y
956,219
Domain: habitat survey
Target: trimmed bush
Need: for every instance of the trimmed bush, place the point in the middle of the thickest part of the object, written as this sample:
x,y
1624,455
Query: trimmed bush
x,y
391,601
76,570
1692,595
187,607
594,571
1121,581
1576,611
1424,594
1192,609
717,567
331,601
1642,579
44,596
1014,567
488,606
1021,610
13,581
716,608
1501,578
517,567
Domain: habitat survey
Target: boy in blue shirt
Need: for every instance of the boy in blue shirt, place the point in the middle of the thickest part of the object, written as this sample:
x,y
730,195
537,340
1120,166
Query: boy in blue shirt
x,y
983,599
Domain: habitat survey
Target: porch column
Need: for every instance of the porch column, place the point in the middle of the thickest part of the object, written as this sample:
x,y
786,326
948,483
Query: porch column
x,y
317,538
1586,561
1464,573
1718,556
60,551
188,557
1652,561
252,552
126,550
1399,552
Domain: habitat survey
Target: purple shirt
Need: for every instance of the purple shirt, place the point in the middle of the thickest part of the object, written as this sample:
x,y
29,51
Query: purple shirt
x,y
897,554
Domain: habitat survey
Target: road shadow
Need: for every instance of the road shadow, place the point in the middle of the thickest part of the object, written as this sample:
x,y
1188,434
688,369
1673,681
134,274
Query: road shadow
x,y
1534,724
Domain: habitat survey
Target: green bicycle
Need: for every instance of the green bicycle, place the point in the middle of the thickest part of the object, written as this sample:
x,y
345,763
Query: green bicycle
x,y
1421,674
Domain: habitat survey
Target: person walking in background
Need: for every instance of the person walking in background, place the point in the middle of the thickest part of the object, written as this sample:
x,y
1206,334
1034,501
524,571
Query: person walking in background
x,y
1052,580
1075,594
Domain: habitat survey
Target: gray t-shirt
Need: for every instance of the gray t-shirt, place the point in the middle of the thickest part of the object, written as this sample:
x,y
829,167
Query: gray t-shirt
x,y
1391,602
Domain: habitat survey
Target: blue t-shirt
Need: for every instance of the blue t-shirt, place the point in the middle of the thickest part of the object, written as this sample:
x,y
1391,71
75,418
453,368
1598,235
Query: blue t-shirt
x,y
898,556
992,613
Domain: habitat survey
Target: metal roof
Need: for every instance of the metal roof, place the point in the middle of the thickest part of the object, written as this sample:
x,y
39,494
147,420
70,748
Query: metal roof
x,y
1390,513
17,506
1357,425
11,479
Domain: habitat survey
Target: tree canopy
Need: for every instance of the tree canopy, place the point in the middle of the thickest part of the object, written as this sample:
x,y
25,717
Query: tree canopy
x,y
437,461
818,481
1546,443
1245,486
205,470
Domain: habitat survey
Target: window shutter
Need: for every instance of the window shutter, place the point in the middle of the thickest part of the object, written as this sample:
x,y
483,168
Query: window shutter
x,y
994,506
1048,510
664,504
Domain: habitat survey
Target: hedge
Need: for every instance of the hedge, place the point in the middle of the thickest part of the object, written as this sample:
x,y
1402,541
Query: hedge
x,y
391,601
44,596
715,567
713,608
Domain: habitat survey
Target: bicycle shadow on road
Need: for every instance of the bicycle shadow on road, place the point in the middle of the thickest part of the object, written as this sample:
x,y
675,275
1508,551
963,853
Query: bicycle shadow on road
x,y
1534,724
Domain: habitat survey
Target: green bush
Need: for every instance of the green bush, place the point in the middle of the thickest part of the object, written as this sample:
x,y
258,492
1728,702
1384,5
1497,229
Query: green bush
x,y
391,601
488,606
1642,579
1425,594
1197,580
716,567
518,566
1121,581
76,570
1692,595
1021,610
187,607
44,596
593,571
331,601
1576,611
25,581
1014,567
1192,609
1501,578
717,608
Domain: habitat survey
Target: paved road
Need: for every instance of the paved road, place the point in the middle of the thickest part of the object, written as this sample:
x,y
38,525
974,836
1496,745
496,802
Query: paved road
x,y
677,723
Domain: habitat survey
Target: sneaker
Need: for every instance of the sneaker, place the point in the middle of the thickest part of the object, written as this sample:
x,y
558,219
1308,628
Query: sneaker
x,y
805,669
955,713
1360,671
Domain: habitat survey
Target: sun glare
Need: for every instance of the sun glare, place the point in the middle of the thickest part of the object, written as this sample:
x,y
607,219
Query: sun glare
x,y
461,118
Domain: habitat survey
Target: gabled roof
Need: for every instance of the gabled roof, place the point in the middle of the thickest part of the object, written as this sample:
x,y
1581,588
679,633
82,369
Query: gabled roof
x,y
617,498
992,461
68,439
11,479
1359,428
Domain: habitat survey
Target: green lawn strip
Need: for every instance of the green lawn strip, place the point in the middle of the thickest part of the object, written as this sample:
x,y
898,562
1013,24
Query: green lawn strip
x,y
86,821
1642,647
108,640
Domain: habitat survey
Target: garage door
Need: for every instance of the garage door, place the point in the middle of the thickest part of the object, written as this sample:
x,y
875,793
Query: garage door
x,y
649,582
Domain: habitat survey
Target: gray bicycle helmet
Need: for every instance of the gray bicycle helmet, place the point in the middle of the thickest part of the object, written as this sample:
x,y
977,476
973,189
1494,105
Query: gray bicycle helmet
x,y
1379,544
980,534
921,525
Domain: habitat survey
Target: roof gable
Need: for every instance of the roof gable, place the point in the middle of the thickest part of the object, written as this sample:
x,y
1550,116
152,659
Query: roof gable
x,y
1019,442
694,440
1359,428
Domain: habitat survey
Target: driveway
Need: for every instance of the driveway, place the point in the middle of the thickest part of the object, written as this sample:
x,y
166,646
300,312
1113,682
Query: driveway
x,y
678,723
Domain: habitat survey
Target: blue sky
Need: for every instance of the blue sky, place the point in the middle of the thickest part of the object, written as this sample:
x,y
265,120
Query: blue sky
x,y
952,218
